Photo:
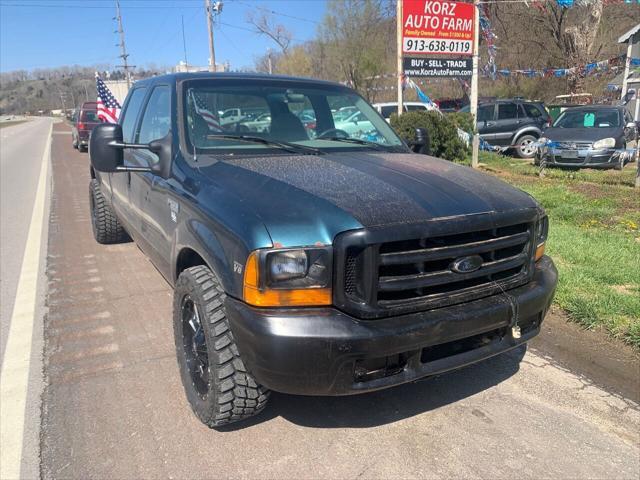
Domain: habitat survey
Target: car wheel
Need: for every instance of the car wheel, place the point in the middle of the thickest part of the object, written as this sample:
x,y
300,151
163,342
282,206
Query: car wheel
x,y
525,146
215,379
622,161
74,143
104,223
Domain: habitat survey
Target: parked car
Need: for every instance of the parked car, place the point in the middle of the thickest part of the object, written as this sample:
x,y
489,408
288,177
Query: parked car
x,y
512,123
449,105
357,125
316,266
588,136
83,121
260,124
388,108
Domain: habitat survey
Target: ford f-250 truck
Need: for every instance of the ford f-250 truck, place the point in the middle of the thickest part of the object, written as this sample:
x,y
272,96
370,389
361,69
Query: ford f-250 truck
x,y
317,263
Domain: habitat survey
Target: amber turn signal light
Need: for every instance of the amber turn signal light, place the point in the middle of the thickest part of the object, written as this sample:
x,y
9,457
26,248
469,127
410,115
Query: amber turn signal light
x,y
539,252
265,297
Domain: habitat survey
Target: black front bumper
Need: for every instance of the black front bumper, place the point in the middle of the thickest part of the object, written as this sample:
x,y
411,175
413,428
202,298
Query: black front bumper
x,y
323,351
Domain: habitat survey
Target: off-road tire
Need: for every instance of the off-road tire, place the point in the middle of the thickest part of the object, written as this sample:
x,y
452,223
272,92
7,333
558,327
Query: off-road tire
x,y
523,139
232,394
104,223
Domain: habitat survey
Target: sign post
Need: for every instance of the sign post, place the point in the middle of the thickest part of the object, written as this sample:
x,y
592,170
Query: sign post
x,y
475,146
399,54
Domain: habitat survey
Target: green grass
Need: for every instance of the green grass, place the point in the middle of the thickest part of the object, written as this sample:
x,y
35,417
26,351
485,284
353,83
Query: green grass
x,y
594,240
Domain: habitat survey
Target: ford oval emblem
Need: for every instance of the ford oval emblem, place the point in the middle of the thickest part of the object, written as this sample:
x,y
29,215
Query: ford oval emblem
x,y
467,264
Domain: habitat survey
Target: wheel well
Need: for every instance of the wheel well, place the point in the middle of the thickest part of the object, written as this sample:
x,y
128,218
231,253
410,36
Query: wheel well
x,y
188,258
533,133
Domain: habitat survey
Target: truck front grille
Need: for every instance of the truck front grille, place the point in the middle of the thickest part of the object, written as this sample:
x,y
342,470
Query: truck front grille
x,y
398,276
421,268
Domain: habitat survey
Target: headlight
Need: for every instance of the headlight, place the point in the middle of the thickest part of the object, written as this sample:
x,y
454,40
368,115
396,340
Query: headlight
x,y
542,141
542,231
604,143
288,277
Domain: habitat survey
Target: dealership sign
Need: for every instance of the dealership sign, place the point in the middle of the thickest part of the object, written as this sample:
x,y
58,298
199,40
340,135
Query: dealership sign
x,y
437,27
437,67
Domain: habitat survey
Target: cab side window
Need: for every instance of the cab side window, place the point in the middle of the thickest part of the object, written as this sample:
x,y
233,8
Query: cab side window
x,y
507,111
130,114
156,120
485,113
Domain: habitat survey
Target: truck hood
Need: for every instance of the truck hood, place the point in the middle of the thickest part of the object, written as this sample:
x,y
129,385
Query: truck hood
x,y
305,200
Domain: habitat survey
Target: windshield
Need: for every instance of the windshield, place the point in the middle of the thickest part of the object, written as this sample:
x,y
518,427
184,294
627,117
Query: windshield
x,y
325,118
596,118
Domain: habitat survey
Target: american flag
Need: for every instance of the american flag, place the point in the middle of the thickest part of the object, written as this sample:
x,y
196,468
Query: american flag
x,y
211,119
108,107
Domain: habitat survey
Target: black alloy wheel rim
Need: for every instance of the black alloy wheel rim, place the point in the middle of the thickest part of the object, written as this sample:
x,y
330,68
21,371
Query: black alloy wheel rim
x,y
194,345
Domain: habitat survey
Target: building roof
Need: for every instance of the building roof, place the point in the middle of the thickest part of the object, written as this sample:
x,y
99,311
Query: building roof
x,y
625,37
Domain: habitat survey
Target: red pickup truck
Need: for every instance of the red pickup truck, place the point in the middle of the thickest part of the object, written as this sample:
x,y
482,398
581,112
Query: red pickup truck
x,y
83,121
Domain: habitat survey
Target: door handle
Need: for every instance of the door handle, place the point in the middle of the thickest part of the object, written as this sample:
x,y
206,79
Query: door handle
x,y
490,124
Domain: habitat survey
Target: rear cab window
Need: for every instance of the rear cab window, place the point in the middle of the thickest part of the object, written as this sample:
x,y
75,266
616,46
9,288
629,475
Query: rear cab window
x,y
89,116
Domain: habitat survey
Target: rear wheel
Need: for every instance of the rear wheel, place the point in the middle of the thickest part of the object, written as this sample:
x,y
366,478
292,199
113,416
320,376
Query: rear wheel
x,y
104,223
215,379
525,146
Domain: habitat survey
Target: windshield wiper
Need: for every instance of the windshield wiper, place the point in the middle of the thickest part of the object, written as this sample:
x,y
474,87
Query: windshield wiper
x,y
357,141
290,147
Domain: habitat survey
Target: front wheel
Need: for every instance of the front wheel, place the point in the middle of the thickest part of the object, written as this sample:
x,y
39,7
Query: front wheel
x,y
525,146
215,379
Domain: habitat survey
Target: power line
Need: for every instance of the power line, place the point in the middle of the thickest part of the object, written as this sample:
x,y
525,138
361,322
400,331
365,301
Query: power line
x,y
274,12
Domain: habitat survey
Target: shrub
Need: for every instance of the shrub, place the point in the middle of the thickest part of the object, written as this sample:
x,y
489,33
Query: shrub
x,y
443,133
462,120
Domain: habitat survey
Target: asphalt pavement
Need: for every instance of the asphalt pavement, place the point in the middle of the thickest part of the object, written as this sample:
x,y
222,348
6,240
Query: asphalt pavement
x,y
113,405
24,193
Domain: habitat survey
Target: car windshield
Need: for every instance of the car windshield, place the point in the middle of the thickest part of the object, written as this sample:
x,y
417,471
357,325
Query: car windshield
x,y
321,117
592,118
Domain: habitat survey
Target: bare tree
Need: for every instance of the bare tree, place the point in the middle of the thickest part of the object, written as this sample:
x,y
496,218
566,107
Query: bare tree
x,y
265,25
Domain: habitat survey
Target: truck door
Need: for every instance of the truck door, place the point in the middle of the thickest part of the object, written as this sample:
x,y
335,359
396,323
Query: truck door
x,y
506,123
121,181
486,121
149,193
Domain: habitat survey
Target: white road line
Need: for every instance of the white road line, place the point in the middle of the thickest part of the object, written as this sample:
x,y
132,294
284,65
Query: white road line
x,y
14,377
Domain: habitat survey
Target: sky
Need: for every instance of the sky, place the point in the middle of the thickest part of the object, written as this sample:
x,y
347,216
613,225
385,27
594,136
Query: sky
x,y
51,33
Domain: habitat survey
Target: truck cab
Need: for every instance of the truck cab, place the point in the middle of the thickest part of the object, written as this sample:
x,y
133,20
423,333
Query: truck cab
x,y
326,263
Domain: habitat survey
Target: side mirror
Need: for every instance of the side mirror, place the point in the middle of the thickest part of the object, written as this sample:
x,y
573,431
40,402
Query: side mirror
x,y
422,143
106,146
105,157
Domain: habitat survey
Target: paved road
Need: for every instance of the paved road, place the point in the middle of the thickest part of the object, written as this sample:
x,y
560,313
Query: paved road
x,y
21,149
24,178
114,406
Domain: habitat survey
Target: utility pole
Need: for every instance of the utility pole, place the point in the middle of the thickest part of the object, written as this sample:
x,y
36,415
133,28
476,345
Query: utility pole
x,y
270,62
399,54
212,52
123,50
184,46
474,84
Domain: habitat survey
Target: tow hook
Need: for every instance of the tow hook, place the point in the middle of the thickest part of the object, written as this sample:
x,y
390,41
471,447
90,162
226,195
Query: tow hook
x,y
515,332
